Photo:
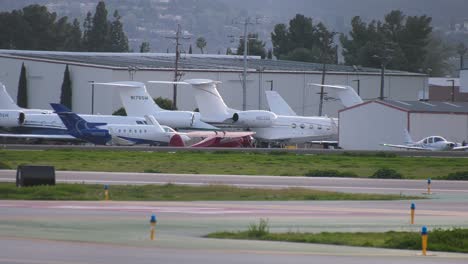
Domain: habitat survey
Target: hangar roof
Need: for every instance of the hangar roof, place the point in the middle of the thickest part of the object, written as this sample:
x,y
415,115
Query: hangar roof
x,y
165,61
422,106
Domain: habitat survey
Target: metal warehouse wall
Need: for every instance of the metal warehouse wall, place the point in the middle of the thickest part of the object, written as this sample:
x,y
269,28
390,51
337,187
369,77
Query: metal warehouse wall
x,y
453,127
366,126
45,80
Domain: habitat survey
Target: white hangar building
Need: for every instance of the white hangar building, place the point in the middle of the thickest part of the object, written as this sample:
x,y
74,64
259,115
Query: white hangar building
x,y
367,125
45,75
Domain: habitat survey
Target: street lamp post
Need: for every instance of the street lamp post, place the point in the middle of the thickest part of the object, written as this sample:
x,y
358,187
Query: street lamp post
x,y
92,96
453,90
358,86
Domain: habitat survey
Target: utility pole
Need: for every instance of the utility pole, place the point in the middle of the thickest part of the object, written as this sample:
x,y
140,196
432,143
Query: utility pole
x,y
358,86
247,21
453,90
324,68
177,74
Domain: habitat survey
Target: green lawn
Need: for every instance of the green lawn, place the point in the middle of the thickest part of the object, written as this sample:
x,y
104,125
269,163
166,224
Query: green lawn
x,y
231,163
455,240
171,192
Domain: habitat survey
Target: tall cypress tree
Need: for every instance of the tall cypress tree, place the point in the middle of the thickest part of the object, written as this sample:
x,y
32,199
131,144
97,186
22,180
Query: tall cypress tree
x,y
118,39
98,37
66,96
22,99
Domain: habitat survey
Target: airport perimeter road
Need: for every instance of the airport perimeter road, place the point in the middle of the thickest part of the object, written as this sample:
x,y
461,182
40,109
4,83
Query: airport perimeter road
x,y
118,232
354,185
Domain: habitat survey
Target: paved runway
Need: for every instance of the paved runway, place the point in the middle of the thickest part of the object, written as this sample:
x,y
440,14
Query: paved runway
x,y
355,185
117,232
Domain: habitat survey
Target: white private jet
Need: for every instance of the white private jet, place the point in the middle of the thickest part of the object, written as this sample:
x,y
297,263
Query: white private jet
x,y
153,134
267,125
17,122
138,102
433,143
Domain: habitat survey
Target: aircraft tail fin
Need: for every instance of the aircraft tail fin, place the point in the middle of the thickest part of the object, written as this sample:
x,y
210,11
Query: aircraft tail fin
x,y
210,103
408,139
6,102
278,105
135,98
71,120
347,95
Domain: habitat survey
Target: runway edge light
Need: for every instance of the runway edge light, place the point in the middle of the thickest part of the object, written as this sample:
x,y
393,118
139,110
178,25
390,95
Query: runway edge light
x,y
413,208
424,240
106,192
153,226
429,185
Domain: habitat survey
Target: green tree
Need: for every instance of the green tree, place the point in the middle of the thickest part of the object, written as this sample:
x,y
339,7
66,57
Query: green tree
x,y
165,103
66,94
98,37
228,51
145,47
400,42
201,43
118,39
190,49
270,54
120,112
87,27
73,38
303,41
22,99
254,46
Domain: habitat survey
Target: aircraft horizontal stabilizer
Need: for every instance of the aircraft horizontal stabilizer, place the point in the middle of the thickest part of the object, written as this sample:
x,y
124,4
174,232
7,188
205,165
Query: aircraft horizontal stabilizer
x,y
123,84
347,95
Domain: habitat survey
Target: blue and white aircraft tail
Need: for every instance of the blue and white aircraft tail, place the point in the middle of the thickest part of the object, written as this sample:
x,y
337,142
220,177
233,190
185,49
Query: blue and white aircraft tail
x,y
80,128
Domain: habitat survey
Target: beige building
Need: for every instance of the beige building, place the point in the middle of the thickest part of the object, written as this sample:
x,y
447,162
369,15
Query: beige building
x,y
45,75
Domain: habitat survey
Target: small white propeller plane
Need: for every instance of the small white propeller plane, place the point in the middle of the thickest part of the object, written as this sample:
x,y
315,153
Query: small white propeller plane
x,y
433,143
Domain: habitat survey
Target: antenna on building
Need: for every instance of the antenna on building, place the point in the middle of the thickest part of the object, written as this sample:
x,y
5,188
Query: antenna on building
x,y
177,75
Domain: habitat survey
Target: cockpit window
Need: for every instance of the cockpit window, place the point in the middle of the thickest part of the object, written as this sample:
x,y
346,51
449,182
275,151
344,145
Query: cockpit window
x,y
437,139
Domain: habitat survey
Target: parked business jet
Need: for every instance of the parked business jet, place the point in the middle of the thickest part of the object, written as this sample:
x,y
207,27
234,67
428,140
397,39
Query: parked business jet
x,y
17,122
115,134
284,127
137,102
433,143
151,134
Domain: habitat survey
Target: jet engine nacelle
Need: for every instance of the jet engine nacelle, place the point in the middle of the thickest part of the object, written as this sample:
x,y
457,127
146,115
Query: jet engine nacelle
x,y
11,118
177,119
254,118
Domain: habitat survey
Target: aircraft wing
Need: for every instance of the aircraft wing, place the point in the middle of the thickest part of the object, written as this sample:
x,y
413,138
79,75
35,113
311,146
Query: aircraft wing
x,y
460,148
220,134
278,105
39,136
404,147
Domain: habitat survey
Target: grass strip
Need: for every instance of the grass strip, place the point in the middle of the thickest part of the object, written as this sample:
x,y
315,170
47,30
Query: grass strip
x,y
286,164
172,192
454,240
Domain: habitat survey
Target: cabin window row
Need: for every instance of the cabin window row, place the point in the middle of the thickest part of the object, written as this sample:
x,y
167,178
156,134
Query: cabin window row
x,y
302,126
132,131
